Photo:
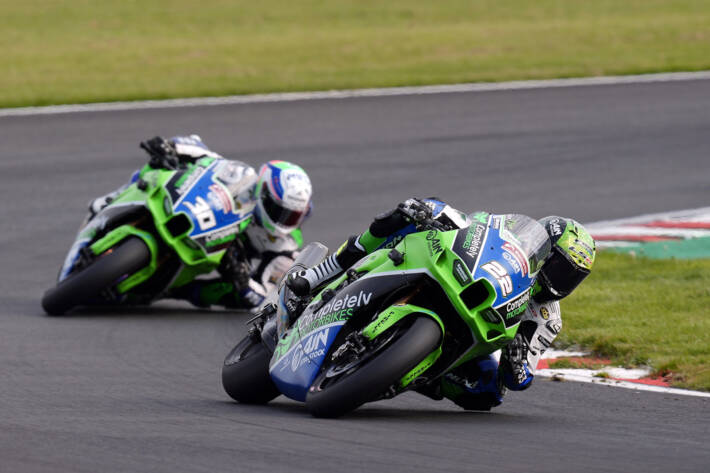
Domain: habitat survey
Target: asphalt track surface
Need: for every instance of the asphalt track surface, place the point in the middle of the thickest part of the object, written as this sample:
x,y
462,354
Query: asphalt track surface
x,y
140,390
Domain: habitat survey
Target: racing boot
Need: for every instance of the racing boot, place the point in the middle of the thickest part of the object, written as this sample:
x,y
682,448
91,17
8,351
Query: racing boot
x,y
303,282
99,203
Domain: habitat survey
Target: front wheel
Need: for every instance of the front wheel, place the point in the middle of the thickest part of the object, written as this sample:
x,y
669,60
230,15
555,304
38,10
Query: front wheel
x,y
87,284
333,397
245,373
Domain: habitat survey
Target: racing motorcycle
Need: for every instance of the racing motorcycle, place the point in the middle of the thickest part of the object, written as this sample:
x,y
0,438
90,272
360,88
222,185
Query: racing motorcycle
x,y
397,320
170,225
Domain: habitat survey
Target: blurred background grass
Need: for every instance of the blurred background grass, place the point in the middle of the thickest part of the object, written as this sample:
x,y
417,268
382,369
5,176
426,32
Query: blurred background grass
x,y
55,51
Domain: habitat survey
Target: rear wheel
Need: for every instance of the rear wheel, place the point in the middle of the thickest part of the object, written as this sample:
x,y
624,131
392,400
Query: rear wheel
x,y
245,373
87,284
338,390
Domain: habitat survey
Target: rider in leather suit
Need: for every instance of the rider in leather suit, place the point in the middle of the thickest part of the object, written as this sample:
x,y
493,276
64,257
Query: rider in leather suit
x,y
279,197
479,384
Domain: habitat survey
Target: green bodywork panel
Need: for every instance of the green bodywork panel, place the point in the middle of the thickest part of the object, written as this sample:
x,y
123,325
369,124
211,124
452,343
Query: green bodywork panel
x,y
113,238
156,198
390,316
421,254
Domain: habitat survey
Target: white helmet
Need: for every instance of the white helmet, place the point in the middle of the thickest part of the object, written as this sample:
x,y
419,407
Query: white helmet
x,y
283,196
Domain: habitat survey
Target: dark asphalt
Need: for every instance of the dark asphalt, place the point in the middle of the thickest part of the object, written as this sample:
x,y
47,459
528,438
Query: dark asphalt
x,y
140,391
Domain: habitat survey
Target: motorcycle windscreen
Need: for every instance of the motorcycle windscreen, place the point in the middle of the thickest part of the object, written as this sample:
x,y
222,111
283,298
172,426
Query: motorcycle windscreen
x,y
208,203
295,368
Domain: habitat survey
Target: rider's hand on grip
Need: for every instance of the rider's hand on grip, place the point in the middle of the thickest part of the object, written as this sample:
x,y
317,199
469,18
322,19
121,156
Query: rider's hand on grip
x,y
414,210
235,268
162,153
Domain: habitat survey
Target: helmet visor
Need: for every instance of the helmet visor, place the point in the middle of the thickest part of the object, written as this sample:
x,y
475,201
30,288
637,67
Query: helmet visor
x,y
278,214
561,275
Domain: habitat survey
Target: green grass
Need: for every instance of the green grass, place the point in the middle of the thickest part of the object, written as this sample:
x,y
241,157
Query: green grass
x,y
640,311
58,51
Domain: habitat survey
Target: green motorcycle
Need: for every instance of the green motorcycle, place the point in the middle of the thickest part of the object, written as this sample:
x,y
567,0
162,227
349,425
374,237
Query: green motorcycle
x,y
158,234
395,321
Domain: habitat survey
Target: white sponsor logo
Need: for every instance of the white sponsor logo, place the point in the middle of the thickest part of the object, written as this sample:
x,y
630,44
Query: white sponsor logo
x,y
518,303
188,182
313,346
555,227
516,258
344,302
219,234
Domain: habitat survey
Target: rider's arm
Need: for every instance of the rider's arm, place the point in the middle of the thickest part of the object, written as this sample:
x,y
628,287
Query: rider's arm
x,y
539,326
176,152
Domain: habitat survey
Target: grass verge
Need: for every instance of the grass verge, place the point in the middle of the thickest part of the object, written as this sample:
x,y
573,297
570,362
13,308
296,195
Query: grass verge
x,y
56,51
640,311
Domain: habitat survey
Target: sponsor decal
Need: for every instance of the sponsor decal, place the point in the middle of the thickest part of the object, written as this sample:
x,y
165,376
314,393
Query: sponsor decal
x,y
186,180
469,242
544,313
460,273
219,236
517,306
220,198
338,303
474,239
555,226
383,320
516,258
481,217
337,316
512,311
313,346
500,274
434,243
203,213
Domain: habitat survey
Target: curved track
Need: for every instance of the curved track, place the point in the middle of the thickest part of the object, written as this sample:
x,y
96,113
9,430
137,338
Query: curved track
x,y
140,391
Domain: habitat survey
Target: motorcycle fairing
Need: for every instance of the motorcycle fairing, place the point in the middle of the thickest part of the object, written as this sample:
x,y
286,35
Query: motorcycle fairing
x,y
208,203
108,217
301,351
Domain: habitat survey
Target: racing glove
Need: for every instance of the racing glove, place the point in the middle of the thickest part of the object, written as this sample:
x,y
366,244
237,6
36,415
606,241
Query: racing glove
x,y
514,367
162,153
234,267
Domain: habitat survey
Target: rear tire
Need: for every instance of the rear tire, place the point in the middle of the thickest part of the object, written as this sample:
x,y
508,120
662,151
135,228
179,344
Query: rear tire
x,y
86,285
245,373
373,378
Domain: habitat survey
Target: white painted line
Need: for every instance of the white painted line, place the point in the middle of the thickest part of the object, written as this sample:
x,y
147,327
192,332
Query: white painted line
x,y
552,353
631,230
590,376
612,371
344,94
624,384
691,215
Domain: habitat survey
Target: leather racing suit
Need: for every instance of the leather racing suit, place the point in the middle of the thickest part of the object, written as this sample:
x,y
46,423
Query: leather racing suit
x,y
255,260
481,383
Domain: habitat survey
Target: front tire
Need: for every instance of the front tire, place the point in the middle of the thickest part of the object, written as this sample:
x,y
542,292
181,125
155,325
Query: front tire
x,y
245,373
373,378
86,284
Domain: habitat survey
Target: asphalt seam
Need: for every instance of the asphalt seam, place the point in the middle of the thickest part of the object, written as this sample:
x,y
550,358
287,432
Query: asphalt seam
x,y
355,93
